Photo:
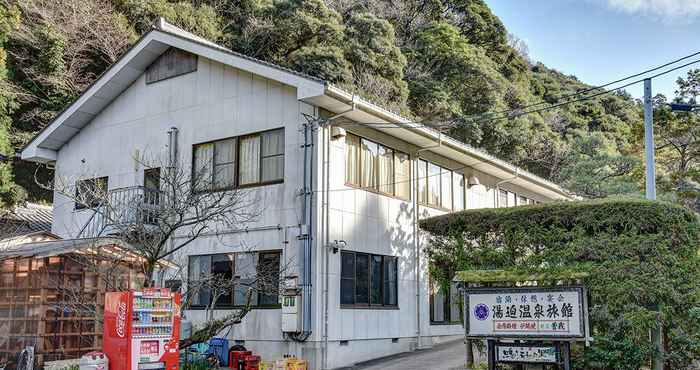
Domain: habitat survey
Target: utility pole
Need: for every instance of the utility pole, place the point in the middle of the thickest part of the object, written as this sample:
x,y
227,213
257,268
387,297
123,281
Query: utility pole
x,y
657,362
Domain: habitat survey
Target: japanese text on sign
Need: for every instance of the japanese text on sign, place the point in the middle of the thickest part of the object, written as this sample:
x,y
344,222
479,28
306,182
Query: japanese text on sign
x,y
535,354
525,312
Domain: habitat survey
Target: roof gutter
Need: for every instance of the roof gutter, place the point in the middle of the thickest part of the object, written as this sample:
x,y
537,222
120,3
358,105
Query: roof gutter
x,y
443,140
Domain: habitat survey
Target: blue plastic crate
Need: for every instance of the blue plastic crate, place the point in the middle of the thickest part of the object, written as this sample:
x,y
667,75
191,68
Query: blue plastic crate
x,y
219,347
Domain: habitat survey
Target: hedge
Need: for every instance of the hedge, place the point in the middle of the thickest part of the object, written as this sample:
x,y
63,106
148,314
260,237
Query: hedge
x,y
635,256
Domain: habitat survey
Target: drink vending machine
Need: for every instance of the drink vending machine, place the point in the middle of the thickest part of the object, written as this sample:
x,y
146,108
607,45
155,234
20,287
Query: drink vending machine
x,y
142,329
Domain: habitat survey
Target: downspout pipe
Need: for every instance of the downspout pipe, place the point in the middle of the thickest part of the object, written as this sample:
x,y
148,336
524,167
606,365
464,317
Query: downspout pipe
x,y
326,137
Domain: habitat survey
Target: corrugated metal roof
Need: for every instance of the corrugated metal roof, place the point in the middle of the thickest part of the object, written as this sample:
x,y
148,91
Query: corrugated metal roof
x,y
27,218
55,247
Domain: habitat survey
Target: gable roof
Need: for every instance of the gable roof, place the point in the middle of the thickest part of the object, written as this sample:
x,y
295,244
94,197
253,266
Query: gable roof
x,y
44,147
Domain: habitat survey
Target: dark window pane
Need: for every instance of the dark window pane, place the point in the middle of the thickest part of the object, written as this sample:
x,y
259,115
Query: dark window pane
x,y
347,278
347,291
390,281
362,278
376,284
268,278
347,269
222,272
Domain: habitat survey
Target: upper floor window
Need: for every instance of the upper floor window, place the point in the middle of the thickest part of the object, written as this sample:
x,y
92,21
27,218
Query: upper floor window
x,y
368,280
254,159
376,167
226,278
440,187
90,193
503,198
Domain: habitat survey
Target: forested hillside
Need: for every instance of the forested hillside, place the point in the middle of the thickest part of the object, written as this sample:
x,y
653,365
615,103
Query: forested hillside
x,y
436,61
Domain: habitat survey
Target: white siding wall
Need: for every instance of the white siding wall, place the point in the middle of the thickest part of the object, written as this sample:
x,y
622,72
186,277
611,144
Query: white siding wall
x,y
213,103
218,102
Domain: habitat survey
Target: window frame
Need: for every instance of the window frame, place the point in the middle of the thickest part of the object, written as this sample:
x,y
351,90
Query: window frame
x,y
447,303
220,306
77,206
382,278
237,162
359,172
425,201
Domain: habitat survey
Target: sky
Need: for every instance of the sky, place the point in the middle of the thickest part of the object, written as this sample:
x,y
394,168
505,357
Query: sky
x,y
600,41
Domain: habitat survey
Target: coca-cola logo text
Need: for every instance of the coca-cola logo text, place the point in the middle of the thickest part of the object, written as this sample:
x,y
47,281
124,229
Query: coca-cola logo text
x,y
121,319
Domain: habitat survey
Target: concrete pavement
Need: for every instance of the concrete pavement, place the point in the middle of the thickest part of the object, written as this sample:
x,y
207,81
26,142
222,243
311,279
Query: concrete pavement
x,y
444,356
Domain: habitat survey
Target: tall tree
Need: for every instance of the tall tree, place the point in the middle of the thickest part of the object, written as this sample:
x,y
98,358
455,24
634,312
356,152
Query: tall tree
x,y
10,193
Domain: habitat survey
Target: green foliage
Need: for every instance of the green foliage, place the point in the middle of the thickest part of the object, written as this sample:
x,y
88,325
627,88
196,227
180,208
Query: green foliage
x,y
201,20
636,254
10,193
371,49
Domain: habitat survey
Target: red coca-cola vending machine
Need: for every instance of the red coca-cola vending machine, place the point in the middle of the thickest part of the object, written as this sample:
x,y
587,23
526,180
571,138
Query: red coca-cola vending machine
x,y
142,329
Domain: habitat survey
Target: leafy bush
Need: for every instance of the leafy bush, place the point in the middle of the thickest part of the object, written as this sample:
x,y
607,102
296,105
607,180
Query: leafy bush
x,y
638,255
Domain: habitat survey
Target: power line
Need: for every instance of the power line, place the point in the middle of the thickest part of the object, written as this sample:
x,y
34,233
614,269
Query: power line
x,y
511,113
589,97
600,86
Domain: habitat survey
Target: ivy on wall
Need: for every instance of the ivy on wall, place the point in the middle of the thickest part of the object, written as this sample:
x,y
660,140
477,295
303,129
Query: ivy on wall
x,y
636,256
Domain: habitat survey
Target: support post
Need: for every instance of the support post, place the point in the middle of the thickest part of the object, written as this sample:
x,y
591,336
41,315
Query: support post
x,y
491,347
649,141
657,362
565,348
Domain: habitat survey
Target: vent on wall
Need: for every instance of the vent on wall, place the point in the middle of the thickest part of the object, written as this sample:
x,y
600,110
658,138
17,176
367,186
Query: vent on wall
x,y
394,340
174,62
344,342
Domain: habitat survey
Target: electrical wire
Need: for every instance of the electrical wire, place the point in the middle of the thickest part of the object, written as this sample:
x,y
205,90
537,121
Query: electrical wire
x,y
588,97
517,112
587,90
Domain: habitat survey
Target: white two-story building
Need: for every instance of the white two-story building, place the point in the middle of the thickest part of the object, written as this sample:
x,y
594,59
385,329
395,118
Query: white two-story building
x,y
341,182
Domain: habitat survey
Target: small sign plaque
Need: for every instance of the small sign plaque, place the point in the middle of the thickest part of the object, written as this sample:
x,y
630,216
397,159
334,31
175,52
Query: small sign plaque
x,y
532,354
525,312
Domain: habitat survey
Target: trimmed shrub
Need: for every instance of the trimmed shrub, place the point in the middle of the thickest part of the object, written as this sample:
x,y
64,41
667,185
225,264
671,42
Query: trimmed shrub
x,y
638,256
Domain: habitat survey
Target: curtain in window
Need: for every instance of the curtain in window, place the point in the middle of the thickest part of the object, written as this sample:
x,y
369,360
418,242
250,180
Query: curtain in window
x,y
402,175
352,160
423,182
502,198
203,166
224,163
446,188
369,164
249,166
272,155
433,185
458,188
386,170
246,269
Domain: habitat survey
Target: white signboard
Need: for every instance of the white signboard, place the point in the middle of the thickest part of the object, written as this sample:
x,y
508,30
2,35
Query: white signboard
x,y
527,354
525,312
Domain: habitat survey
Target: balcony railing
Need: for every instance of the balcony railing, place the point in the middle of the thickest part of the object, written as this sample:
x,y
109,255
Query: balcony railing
x,y
124,206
